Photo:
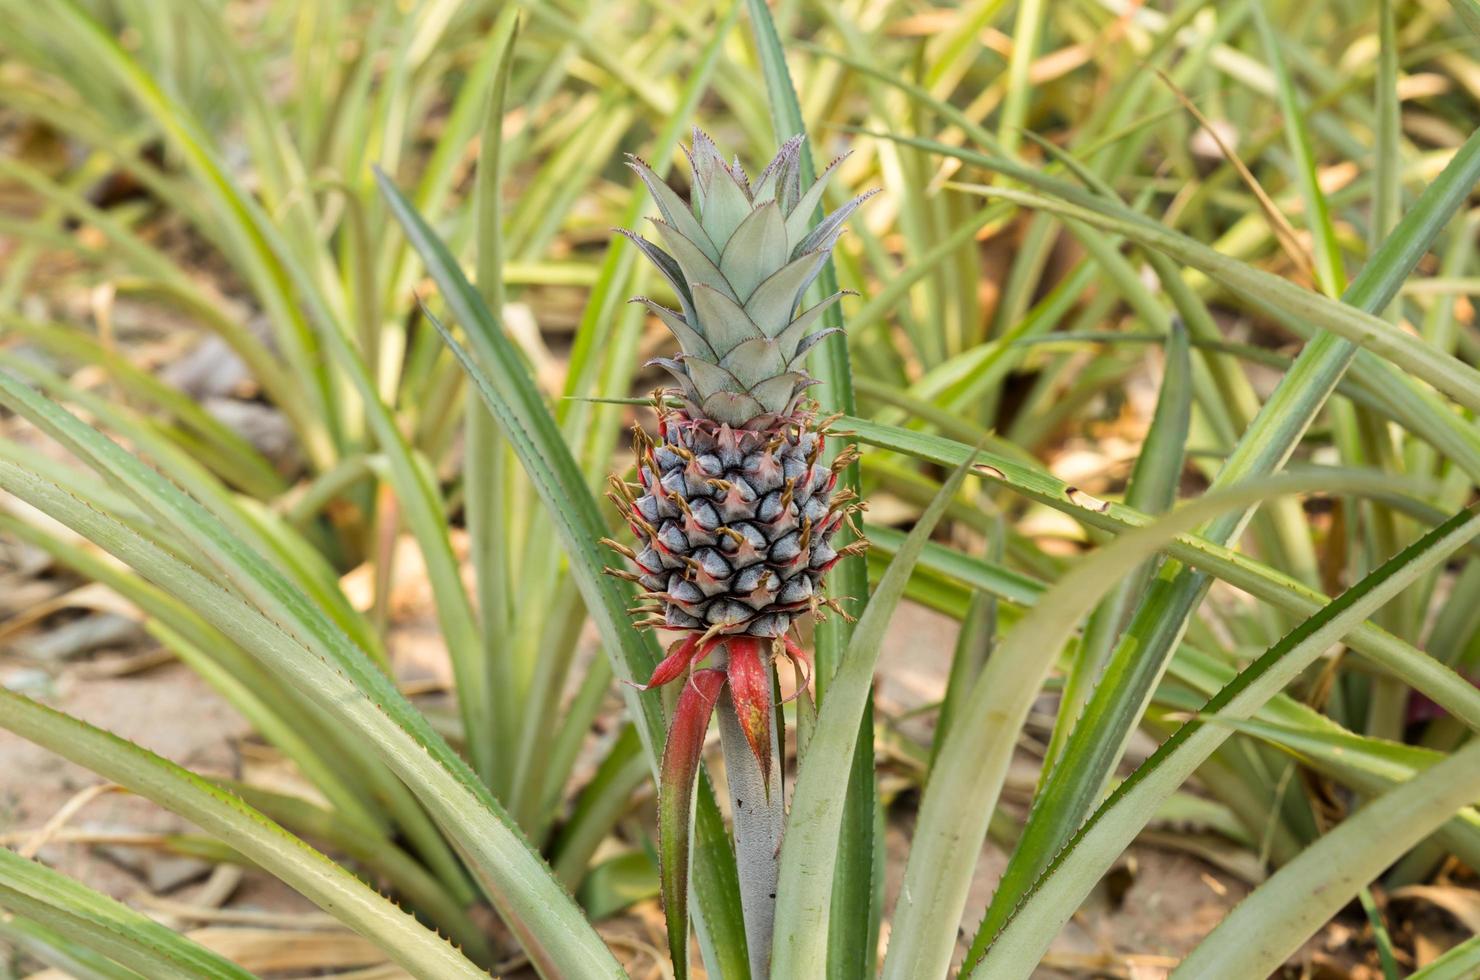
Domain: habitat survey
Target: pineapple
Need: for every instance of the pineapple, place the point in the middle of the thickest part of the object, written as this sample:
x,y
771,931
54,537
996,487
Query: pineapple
x,y
735,509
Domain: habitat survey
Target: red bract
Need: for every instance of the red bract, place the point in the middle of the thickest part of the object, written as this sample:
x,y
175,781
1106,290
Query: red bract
x,y
676,799
680,656
750,691
747,674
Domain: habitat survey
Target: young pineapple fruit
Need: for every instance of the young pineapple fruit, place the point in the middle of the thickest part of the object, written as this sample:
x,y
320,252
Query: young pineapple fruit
x,y
735,508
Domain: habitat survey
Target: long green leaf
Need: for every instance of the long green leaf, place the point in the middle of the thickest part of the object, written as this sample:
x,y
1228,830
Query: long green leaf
x,y
509,393
1463,961
181,524
1057,893
809,850
851,942
1323,361
105,925
1271,923
342,681
62,952
972,764
1329,270
1147,646
1369,766
1446,373
1418,670
506,388
315,876
1152,488
484,478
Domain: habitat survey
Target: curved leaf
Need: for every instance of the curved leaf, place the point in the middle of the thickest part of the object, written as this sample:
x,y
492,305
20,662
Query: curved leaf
x,y
1420,671
541,913
107,926
972,763
809,849
854,935
61,952
509,393
1017,948
1272,922
1463,961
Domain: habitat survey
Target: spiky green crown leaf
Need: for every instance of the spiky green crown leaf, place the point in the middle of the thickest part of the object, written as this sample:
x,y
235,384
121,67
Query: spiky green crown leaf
x,y
740,255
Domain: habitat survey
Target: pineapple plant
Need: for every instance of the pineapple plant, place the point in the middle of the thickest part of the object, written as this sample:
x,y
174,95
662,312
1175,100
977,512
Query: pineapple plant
x,y
735,506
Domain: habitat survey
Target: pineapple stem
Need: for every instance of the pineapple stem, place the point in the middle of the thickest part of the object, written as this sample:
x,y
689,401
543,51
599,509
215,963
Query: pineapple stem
x,y
756,802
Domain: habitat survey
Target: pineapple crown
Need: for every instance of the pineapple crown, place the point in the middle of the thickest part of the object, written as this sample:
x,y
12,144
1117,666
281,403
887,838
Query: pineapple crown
x,y
739,256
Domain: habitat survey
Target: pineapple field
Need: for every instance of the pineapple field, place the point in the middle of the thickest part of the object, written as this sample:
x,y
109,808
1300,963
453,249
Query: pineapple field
x,y
618,488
